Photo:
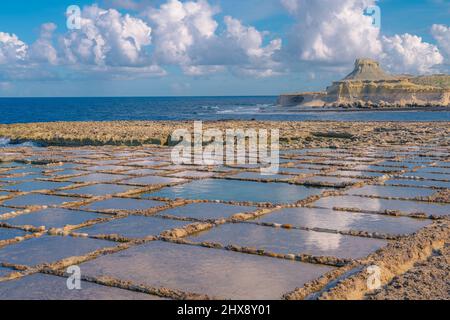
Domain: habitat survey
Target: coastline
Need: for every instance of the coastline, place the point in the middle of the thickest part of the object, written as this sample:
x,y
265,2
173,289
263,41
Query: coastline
x,y
293,134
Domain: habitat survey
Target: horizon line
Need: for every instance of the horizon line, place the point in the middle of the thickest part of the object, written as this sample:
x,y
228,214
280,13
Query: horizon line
x,y
193,96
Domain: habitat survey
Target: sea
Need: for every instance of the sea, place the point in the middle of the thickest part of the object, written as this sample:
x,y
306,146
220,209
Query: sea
x,y
23,110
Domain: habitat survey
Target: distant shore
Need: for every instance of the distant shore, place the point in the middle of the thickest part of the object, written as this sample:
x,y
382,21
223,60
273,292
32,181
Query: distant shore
x,y
345,109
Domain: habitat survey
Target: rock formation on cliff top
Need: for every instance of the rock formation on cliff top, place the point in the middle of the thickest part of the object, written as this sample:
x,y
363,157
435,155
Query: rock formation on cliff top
x,y
368,85
368,70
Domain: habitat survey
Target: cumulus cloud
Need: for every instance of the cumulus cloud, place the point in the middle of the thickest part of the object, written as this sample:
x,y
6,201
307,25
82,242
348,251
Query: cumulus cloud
x,y
326,33
180,26
12,49
108,38
337,32
185,34
260,59
43,50
408,53
332,31
442,35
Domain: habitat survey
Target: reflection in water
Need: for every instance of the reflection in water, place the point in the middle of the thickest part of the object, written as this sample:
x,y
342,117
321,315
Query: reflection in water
x,y
123,204
35,199
134,227
218,273
344,221
48,249
394,192
207,211
383,204
233,190
47,287
54,218
99,189
291,241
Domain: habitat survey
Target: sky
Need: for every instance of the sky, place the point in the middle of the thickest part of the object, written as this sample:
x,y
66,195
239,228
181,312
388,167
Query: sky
x,y
211,47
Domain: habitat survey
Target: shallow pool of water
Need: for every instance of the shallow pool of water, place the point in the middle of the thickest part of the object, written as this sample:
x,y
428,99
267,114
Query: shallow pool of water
x,y
134,227
99,190
344,221
7,233
54,218
207,211
258,176
49,249
394,192
123,204
36,186
152,180
99,177
35,199
218,273
418,183
48,287
291,241
406,206
240,191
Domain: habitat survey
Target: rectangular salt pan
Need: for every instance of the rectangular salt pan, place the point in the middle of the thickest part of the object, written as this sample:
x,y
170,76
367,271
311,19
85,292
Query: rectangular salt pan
x,y
393,192
427,175
37,186
123,204
286,241
240,191
134,227
48,287
258,176
99,177
54,218
35,199
207,211
48,249
406,206
99,190
217,273
152,180
7,234
344,221
418,183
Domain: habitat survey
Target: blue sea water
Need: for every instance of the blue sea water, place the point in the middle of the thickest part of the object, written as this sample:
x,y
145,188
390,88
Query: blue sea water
x,y
22,110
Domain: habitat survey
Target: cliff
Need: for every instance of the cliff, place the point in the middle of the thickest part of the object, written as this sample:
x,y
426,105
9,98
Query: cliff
x,y
369,86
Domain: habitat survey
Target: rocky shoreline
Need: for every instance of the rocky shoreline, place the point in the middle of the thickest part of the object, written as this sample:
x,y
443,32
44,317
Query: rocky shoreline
x,y
293,134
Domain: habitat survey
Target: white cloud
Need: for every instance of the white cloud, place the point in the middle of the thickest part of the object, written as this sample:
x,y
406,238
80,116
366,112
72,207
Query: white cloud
x,y
409,54
43,50
185,34
179,27
108,38
12,49
442,35
332,31
327,34
260,58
